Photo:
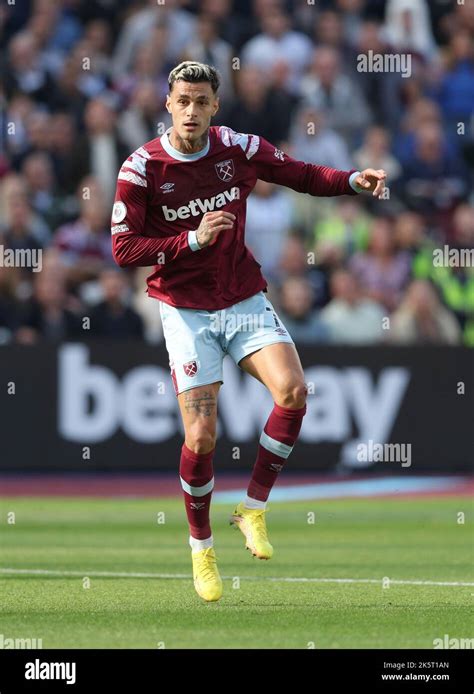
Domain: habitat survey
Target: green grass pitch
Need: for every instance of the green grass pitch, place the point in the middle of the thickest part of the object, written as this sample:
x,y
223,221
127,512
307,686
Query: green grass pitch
x,y
417,539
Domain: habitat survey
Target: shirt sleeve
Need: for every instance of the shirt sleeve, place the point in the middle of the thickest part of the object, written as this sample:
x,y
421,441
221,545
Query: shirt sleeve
x,y
275,166
130,246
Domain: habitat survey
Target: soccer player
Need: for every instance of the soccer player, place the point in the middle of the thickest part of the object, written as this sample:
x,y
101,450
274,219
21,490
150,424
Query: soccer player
x,y
180,207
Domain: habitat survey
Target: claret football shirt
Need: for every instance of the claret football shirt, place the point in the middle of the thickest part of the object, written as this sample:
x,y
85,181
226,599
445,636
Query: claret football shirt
x,y
162,195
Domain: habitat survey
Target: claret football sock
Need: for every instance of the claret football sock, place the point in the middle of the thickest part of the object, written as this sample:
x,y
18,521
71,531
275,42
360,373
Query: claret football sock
x,y
197,481
276,443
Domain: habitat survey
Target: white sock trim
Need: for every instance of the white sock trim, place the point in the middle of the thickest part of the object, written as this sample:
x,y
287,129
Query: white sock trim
x,y
274,446
198,545
254,503
197,491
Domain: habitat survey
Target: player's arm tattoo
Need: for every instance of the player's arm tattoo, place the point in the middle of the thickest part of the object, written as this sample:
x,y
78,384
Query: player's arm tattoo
x,y
203,403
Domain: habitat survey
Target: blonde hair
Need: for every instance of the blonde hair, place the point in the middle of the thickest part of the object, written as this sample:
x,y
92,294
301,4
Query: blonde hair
x,y
192,71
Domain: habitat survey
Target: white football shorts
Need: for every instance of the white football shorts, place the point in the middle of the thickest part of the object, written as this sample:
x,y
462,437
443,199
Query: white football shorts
x,y
198,340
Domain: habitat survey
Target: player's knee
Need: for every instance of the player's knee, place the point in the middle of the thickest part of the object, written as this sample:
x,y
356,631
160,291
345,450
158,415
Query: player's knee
x,y
294,395
200,439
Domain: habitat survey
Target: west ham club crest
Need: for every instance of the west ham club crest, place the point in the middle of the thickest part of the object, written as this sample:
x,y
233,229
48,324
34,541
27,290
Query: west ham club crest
x,y
190,368
225,169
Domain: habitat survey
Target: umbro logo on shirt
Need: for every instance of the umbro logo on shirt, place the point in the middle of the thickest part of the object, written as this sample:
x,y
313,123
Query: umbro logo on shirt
x,y
167,187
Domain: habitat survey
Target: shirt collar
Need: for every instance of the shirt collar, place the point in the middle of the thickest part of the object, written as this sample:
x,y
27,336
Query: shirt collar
x,y
176,154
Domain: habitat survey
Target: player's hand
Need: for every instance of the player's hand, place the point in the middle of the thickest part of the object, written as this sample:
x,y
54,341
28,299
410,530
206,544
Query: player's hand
x,y
372,180
211,226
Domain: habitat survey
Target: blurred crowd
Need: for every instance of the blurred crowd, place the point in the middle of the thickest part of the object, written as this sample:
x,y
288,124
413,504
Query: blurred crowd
x,y
84,84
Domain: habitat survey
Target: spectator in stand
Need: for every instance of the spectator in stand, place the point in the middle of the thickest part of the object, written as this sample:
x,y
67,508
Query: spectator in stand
x,y
25,71
268,224
149,65
382,271
410,235
421,319
21,227
258,108
113,316
84,244
63,140
346,228
152,325
420,112
454,283
350,317
100,151
329,30
69,93
180,28
382,90
46,316
296,261
43,192
55,30
37,138
296,311
91,81
138,123
459,19
434,180
208,47
9,309
232,26
312,140
408,27
352,12
336,95
456,93
279,43
98,38
17,111
463,226
376,149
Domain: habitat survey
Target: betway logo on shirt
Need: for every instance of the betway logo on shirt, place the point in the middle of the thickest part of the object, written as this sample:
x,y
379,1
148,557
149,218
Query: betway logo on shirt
x,y
198,206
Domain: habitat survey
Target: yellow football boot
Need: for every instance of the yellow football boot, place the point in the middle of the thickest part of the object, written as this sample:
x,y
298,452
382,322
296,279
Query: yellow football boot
x,y
207,580
252,523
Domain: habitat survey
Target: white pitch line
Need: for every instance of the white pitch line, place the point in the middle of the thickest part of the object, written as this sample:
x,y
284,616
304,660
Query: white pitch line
x,y
283,579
